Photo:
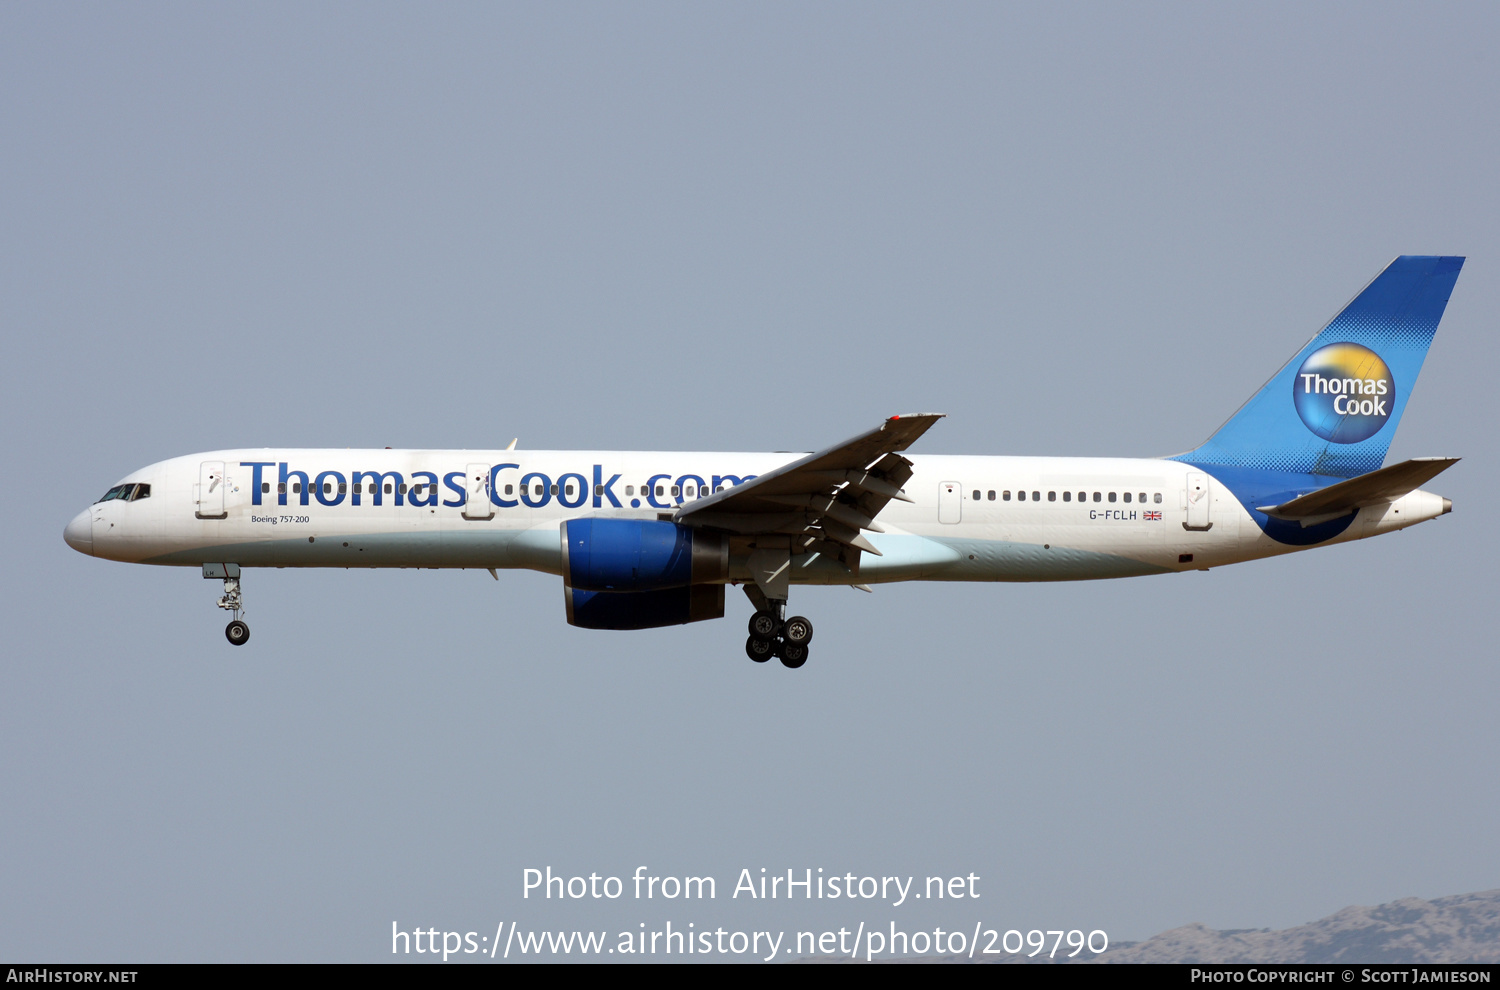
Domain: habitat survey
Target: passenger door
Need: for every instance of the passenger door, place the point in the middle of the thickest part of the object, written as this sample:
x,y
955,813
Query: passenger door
x,y
208,493
1198,502
478,505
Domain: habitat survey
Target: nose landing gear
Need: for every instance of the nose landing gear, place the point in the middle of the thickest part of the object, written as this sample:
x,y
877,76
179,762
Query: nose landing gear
x,y
237,632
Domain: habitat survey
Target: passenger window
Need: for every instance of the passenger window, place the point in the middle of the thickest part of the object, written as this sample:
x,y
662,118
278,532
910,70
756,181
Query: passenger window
x,y
976,494
281,488
265,488
1067,496
1098,497
387,487
598,490
538,491
676,491
1142,498
1005,495
992,495
1020,496
1052,496
570,491
1083,496
297,488
342,488
1127,496
509,489
659,490
403,488
1036,496
1111,496
629,489
1157,499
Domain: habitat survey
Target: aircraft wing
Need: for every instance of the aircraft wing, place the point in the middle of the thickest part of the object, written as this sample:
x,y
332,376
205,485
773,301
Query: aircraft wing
x,y
1384,485
825,498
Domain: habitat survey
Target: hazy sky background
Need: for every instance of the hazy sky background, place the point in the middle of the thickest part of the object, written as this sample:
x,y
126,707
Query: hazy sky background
x,y
1076,229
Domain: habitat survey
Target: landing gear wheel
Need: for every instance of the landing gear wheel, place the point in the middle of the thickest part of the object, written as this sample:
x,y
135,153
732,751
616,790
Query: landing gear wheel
x,y
764,626
798,630
759,650
793,655
237,633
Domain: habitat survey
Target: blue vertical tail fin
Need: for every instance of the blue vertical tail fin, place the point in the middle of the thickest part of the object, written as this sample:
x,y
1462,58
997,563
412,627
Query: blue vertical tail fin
x,y
1334,407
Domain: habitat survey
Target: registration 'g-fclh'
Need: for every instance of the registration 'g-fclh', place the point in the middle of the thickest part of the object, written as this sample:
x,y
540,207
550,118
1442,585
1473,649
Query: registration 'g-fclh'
x,y
643,539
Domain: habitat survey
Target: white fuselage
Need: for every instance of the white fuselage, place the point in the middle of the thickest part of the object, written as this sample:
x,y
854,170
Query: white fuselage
x,y
1080,518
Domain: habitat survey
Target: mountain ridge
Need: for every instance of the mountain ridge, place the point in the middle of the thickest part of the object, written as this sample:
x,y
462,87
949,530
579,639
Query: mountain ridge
x,y
1463,928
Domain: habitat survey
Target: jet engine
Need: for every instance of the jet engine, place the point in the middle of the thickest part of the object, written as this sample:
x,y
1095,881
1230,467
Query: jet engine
x,y
641,573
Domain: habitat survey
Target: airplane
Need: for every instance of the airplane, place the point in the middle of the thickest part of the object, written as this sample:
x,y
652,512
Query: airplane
x,y
645,539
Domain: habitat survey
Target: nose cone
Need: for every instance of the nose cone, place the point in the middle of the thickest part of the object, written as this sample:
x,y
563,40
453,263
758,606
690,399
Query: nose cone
x,y
79,533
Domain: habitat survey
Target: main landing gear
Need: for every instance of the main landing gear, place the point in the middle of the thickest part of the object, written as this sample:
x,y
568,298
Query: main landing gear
x,y
237,632
772,635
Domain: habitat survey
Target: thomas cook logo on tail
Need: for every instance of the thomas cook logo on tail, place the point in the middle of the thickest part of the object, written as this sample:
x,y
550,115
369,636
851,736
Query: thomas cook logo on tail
x,y
1344,392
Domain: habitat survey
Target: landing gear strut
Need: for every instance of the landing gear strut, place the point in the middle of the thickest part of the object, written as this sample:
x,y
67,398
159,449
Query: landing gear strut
x,y
772,634
237,632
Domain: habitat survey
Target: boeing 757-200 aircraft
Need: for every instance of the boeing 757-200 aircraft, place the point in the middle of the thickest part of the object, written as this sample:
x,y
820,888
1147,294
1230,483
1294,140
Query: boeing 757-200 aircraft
x,y
646,539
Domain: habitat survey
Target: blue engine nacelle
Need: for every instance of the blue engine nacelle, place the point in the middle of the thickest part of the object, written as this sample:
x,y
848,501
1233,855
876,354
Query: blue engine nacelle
x,y
644,609
641,573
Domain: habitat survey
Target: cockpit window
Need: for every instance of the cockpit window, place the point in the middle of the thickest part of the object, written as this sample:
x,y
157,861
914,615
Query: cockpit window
x,y
128,493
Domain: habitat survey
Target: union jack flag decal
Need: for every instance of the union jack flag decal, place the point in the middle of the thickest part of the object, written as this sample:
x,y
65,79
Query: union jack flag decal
x,y
1153,516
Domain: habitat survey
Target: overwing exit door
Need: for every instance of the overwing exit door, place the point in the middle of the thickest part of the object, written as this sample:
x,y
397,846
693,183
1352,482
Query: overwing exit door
x,y
478,505
950,502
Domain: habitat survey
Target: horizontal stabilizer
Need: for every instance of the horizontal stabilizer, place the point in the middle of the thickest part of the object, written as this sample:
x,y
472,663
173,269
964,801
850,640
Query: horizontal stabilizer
x,y
1385,485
